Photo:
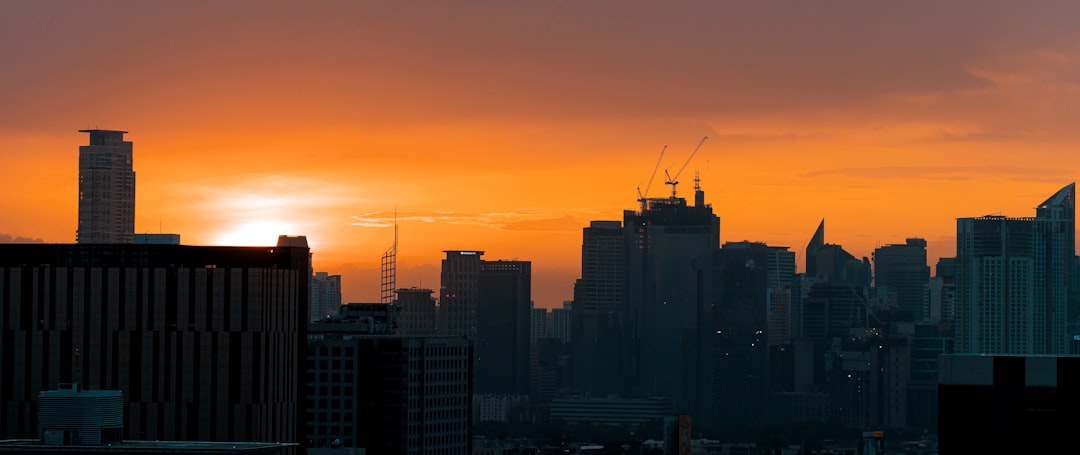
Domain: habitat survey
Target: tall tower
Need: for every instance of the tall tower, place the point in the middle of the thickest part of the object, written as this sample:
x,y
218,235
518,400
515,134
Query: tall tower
x,y
1013,279
599,310
902,277
458,292
106,189
665,246
504,293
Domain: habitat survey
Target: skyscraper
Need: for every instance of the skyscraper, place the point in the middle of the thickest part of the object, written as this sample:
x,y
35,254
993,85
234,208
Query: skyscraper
x,y
1013,279
106,189
902,277
458,292
599,309
504,294
325,296
205,342
666,243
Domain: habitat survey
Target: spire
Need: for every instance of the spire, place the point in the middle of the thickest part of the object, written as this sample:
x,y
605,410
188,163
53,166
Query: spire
x,y
1062,205
818,240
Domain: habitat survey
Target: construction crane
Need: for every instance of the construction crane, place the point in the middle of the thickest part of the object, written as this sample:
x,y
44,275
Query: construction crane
x,y
643,196
673,180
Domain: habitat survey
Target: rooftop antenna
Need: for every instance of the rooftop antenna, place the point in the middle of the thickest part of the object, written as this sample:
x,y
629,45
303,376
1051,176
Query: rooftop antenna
x,y
389,268
673,180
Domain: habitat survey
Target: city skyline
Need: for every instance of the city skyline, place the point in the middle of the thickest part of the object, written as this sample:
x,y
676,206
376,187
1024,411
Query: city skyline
x,y
508,128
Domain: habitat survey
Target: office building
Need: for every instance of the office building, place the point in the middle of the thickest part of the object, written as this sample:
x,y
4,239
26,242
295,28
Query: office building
x,y
204,342
368,388
1014,278
417,315
902,279
459,280
325,296
106,189
538,325
504,296
90,422
665,245
598,311
560,323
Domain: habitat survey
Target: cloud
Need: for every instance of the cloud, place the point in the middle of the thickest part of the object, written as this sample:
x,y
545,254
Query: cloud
x,y
519,220
7,238
944,172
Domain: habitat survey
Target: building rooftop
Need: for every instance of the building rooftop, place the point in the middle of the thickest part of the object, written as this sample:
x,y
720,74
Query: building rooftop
x,y
31,446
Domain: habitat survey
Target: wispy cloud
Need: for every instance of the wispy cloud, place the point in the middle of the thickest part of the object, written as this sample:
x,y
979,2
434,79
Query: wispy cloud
x,y
517,220
943,172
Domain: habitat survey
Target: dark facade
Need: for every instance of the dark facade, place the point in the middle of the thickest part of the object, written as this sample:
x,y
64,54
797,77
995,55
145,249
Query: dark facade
x,y
459,278
902,279
388,393
204,342
1008,404
599,310
417,315
502,337
665,245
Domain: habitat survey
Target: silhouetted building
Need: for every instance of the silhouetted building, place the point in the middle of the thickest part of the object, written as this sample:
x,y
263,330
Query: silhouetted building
x,y
560,321
417,315
205,342
599,312
1013,279
929,343
829,262
665,245
943,291
504,296
458,292
91,422
733,376
157,239
106,189
902,278
1008,404
325,295
538,325
387,393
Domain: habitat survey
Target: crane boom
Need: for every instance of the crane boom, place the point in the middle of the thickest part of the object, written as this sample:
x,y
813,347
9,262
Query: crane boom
x,y
672,180
646,193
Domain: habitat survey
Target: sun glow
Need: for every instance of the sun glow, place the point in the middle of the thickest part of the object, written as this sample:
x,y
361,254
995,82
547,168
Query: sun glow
x,y
258,233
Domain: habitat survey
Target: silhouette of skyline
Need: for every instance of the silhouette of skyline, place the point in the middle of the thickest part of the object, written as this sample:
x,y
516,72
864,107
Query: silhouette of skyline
x,y
508,128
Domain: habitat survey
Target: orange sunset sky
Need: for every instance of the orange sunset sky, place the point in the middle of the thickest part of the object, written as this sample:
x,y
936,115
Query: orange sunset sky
x,y
506,126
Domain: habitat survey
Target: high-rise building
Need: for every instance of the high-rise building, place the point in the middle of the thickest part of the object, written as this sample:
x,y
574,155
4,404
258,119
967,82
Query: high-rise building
x,y
206,343
665,245
504,296
417,315
902,277
599,310
106,189
325,296
1013,279
458,292
369,388
538,325
560,322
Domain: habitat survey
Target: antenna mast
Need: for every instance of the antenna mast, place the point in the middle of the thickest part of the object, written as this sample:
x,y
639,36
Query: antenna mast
x,y
389,268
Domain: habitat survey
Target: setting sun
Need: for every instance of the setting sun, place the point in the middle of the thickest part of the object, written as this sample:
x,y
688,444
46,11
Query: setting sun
x,y
259,233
